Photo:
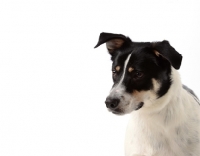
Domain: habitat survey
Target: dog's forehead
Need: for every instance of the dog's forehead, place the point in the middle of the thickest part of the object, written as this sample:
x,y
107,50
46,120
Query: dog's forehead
x,y
119,60
121,57
137,55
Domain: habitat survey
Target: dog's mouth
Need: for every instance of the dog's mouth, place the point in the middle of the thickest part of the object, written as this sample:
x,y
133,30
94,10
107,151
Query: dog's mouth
x,y
120,111
117,111
140,105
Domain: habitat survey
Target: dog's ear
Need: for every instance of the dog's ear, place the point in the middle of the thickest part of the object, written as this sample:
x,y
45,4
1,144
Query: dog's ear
x,y
113,41
165,50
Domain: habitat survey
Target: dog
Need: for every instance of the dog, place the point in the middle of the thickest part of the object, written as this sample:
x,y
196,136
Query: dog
x,y
164,113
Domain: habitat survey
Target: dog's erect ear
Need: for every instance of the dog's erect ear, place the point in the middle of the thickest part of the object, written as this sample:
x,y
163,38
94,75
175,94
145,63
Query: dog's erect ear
x,y
164,49
113,41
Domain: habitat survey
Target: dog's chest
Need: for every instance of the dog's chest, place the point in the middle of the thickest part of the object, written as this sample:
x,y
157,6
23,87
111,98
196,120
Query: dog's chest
x,y
143,138
149,138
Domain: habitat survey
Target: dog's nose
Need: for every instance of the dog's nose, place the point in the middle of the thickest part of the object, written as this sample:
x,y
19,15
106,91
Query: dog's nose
x,y
112,103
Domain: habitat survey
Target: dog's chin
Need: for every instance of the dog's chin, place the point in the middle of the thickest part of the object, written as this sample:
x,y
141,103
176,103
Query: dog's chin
x,y
117,111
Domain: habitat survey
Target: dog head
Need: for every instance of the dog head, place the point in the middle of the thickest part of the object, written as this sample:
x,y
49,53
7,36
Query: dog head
x,y
141,71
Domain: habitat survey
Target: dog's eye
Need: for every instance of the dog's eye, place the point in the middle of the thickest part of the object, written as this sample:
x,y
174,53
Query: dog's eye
x,y
138,75
114,72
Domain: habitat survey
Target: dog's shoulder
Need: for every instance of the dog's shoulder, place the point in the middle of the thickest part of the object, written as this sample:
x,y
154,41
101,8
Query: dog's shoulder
x,y
190,91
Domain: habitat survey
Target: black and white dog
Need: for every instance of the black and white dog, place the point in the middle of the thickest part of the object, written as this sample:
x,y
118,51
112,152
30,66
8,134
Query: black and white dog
x,y
165,115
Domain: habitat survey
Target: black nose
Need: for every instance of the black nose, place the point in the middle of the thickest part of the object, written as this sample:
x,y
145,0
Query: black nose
x,y
112,103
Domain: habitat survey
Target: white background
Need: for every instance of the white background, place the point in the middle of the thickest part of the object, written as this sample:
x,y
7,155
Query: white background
x,y
53,84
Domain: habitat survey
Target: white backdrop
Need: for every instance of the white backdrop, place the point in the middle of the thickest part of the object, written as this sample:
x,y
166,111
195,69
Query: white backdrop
x,y
53,84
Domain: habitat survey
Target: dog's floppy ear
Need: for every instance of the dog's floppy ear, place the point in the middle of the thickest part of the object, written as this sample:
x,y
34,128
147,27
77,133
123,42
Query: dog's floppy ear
x,y
165,50
113,41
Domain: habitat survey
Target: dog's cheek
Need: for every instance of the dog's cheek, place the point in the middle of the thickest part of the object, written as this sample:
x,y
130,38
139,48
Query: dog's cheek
x,y
147,96
156,85
138,96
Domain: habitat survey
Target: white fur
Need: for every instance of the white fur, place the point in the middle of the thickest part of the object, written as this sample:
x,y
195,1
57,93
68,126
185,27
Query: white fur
x,y
167,126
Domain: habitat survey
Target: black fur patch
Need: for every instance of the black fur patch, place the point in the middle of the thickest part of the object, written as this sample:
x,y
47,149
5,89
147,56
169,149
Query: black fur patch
x,y
145,62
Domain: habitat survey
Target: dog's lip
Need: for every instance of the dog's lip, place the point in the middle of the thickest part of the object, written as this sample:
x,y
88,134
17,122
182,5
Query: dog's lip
x,y
140,105
117,111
